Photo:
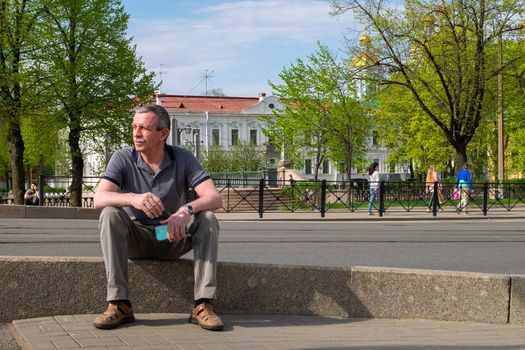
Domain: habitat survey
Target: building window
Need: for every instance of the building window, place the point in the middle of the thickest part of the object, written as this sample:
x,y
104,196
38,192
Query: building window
x,y
215,137
235,137
253,137
326,167
308,166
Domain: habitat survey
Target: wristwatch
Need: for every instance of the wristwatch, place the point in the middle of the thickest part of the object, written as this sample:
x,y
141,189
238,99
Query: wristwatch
x,y
190,209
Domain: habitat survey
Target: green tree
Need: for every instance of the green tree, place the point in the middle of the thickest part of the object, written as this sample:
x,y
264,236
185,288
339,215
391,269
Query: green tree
x,y
40,138
321,114
92,72
18,92
242,157
4,153
247,157
216,159
438,51
217,92
514,107
408,133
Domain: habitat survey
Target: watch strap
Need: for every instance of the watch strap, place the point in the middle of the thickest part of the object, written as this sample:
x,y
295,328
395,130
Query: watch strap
x,y
190,209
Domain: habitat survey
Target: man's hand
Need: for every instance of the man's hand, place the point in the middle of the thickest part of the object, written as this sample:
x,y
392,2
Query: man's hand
x,y
177,224
150,204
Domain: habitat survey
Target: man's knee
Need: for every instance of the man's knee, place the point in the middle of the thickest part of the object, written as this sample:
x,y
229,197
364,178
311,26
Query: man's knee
x,y
112,220
206,221
207,217
111,213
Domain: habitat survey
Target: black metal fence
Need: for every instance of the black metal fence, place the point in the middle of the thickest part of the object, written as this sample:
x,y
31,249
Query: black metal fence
x,y
260,196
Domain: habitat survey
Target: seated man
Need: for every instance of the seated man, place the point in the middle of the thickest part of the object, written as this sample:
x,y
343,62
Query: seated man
x,y
31,195
145,186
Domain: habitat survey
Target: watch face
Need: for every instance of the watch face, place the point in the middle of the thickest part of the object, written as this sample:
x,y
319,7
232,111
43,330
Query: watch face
x,y
190,208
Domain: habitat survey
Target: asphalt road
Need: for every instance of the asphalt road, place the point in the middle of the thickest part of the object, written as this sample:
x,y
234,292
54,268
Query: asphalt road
x,y
494,246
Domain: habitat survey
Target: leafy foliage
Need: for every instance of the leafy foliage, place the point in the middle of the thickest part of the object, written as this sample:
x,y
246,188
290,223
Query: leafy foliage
x,y
438,51
91,72
321,115
241,158
409,133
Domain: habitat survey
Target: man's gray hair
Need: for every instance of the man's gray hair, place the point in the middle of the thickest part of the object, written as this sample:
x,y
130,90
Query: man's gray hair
x,y
163,117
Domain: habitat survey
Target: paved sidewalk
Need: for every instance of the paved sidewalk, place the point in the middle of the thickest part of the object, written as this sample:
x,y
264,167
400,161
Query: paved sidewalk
x,y
172,331
398,215
251,332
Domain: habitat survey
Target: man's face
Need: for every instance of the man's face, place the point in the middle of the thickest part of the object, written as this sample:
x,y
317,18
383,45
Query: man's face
x,y
33,187
146,137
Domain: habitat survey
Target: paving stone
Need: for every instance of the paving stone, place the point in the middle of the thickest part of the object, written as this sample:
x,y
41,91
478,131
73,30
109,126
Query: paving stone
x,y
291,332
65,342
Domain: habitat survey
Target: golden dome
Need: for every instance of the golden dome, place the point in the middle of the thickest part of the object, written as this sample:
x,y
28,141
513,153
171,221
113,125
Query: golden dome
x,y
365,39
364,59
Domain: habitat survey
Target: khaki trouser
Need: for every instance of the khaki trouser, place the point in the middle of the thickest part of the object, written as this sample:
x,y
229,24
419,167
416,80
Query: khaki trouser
x,y
464,196
123,238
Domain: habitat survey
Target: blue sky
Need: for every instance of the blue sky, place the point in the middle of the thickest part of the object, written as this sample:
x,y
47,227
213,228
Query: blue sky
x,y
245,43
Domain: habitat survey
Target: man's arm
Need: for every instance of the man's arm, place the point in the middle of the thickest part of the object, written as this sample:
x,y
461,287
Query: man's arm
x,y
107,195
209,199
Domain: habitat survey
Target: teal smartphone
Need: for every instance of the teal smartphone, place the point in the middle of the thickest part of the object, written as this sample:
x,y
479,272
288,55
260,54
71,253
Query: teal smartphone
x,y
161,232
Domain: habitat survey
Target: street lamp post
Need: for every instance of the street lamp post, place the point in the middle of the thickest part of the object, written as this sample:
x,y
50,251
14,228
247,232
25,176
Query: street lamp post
x,y
197,143
501,151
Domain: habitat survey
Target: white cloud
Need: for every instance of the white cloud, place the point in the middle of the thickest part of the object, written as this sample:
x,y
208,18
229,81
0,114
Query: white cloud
x,y
230,35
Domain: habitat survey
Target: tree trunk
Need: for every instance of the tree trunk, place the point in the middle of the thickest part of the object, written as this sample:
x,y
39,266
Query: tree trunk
x,y
349,198
77,162
349,169
461,155
16,150
318,162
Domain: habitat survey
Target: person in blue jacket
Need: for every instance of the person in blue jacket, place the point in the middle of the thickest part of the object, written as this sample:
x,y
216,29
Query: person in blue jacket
x,y
464,185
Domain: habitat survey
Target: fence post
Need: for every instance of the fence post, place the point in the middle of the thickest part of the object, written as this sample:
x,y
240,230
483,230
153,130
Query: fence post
x,y
228,186
261,198
381,198
435,199
323,198
41,192
485,198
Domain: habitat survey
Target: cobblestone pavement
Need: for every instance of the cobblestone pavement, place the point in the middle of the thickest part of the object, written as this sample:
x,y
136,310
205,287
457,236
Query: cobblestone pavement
x,y
7,339
172,331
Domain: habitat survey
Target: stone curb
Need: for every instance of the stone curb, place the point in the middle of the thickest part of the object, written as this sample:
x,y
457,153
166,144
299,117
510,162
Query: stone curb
x,y
31,212
43,286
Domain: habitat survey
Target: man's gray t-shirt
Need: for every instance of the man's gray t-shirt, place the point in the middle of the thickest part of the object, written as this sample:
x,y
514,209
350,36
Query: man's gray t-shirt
x,y
178,172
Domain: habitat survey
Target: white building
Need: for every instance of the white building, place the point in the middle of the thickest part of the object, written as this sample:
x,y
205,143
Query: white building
x,y
217,120
224,121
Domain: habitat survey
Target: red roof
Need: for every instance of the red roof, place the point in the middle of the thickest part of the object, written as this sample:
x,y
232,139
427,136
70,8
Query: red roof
x,y
180,103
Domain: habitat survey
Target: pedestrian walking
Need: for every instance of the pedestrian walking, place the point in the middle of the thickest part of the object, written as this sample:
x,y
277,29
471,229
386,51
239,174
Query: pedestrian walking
x,y
464,186
433,183
374,185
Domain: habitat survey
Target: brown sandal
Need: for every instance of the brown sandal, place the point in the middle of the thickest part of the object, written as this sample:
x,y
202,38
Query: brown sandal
x,y
204,316
115,315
